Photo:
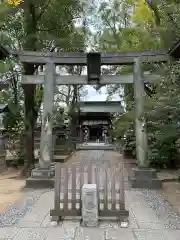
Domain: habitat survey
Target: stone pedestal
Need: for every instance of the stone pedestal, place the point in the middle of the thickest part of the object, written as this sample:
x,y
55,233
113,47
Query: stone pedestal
x,y
145,178
41,178
42,173
89,205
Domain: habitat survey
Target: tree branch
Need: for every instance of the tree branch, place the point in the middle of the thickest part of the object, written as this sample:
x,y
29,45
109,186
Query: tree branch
x,y
113,29
154,8
43,9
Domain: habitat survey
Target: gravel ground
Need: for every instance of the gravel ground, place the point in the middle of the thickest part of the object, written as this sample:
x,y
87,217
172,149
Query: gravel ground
x,y
163,209
16,211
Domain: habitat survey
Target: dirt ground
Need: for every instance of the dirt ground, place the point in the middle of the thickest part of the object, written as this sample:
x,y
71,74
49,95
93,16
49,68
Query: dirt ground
x,y
10,188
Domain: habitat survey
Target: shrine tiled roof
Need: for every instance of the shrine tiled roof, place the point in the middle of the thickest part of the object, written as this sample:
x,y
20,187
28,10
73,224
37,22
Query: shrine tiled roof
x,y
100,103
101,107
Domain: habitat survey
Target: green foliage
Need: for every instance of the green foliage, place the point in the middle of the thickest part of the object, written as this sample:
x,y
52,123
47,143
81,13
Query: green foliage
x,y
163,119
126,25
36,25
131,25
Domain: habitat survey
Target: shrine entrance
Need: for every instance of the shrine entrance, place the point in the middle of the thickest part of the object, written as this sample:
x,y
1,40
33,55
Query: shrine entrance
x,y
95,133
95,119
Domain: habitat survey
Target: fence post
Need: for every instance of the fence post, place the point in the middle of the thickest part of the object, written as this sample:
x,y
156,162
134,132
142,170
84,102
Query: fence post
x,y
121,186
57,186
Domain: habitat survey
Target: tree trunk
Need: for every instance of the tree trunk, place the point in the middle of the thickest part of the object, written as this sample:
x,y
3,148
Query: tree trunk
x,y
29,127
30,26
73,113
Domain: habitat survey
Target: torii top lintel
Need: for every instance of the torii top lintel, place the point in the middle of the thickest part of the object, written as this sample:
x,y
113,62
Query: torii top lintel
x,y
79,58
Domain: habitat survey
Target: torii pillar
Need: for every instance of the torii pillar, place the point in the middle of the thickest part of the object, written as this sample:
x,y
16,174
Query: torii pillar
x,y
42,175
143,176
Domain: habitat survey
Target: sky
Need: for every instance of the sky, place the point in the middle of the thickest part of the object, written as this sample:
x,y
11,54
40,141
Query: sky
x,y
94,95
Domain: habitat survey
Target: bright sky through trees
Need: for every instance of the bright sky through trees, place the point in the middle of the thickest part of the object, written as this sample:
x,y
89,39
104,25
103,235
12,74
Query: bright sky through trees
x,y
15,2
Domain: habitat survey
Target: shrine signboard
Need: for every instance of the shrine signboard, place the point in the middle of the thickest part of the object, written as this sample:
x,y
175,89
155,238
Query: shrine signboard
x,y
94,122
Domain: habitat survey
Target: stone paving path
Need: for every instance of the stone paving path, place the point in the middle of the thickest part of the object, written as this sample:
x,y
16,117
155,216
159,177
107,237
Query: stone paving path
x,y
151,218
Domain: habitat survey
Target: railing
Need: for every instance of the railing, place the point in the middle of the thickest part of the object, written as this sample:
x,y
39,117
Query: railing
x,y
69,181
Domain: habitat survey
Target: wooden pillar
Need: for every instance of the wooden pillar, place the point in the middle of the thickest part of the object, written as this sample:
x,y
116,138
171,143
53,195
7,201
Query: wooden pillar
x,y
46,147
141,133
81,132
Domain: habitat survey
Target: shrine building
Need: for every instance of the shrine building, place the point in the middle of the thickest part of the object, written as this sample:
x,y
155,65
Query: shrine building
x,y
96,117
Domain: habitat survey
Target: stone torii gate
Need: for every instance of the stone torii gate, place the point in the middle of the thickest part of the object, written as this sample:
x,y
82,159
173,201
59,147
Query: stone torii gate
x,y
44,173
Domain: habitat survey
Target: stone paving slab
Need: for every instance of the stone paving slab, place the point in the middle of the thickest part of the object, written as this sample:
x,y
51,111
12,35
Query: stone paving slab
x,y
38,212
144,234
57,233
102,234
173,235
144,215
8,232
72,231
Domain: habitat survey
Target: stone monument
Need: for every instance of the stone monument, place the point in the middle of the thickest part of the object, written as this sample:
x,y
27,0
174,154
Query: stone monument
x,y
89,205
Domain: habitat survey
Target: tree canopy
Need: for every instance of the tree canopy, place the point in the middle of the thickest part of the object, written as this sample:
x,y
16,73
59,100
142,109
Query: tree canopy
x,y
144,25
